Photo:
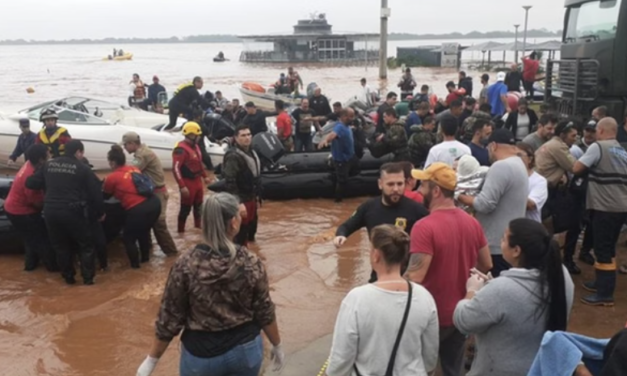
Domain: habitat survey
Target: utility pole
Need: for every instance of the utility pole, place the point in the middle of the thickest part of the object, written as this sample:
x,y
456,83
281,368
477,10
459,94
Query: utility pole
x,y
383,48
526,8
516,44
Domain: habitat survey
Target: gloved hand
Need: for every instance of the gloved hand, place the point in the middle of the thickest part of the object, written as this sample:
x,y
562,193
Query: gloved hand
x,y
147,366
475,283
277,356
10,162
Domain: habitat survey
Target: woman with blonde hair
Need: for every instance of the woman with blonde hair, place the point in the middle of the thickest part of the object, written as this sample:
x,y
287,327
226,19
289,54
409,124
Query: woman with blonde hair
x,y
389,327
218,296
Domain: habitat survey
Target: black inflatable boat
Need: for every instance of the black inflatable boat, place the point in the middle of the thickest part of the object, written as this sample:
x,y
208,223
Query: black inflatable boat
x,y
308,175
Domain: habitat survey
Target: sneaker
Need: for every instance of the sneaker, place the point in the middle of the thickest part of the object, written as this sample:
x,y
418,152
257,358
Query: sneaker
x,y
589,286
573,269
597,301
586,258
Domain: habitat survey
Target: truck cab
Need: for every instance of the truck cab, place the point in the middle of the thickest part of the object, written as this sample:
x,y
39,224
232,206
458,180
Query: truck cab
x,y
592,70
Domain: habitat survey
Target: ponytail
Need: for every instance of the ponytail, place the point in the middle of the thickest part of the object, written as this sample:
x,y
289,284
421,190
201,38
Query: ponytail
x,y
540,251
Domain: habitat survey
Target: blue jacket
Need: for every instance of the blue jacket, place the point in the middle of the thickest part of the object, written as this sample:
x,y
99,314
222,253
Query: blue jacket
x,y
24,141
153,92
561,352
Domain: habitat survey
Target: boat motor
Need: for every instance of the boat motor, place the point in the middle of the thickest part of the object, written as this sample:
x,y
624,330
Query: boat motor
x,y
268,147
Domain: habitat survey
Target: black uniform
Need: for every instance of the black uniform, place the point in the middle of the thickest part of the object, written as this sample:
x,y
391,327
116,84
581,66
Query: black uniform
x,y
257,122
182,102
72,198
320,104
373,213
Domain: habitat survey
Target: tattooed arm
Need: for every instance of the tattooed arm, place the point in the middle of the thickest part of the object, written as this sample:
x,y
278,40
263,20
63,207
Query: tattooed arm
x,y
418,267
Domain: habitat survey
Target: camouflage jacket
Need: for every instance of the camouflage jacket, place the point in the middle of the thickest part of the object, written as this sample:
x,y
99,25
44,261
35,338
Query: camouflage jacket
x,y
396,140
466,134
208,291
420,142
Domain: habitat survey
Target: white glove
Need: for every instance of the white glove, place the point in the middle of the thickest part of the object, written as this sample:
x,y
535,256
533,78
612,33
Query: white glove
x,y
277,356
339,241
10,162
147,366
475,283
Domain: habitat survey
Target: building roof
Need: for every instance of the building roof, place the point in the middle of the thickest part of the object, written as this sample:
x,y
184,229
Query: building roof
x,y
309,36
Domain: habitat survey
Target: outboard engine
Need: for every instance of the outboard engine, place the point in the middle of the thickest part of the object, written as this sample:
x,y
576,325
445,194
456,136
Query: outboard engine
x,y
310,89
218,128
268,147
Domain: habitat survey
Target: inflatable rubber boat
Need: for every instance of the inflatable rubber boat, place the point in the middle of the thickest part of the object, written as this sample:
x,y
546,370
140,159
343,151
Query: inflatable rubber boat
x,y
288,176
126,56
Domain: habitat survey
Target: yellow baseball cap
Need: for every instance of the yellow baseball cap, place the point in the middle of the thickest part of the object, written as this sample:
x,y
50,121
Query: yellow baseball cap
x,y
439,173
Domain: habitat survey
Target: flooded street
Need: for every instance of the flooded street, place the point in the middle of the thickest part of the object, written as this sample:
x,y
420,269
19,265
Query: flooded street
x,y
50,329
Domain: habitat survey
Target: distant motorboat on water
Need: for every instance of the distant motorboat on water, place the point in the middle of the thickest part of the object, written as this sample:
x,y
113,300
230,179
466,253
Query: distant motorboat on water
x,y
123,57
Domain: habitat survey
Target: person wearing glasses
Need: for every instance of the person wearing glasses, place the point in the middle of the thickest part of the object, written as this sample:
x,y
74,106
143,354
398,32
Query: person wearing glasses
x,y
24,141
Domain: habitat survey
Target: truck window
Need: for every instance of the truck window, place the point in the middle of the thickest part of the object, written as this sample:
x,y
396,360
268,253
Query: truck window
x,y
595,20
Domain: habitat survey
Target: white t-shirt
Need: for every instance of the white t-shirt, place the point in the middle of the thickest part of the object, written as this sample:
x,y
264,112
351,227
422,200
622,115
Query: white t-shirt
x,y
366,329
366,95
447,152
522,128
538,193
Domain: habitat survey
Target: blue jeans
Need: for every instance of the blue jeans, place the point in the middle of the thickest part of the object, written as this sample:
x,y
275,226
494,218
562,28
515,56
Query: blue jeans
x,y
303,140
242,360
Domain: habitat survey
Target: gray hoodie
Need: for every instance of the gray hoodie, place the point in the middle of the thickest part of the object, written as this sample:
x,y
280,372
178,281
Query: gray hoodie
x,y
506,322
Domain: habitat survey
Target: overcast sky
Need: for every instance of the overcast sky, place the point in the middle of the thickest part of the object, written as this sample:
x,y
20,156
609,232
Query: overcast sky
x,y
67,19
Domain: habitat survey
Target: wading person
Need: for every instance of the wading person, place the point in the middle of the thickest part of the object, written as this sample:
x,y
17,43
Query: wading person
x,y
219,311
24,141
342,150
606,163
23,207
189,174
150,165
367,326
51,135
72,193
241,170
444,247
511,313
392,208
142,208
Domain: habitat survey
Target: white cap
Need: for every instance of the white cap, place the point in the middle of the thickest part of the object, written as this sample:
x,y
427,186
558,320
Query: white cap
x,y
500,76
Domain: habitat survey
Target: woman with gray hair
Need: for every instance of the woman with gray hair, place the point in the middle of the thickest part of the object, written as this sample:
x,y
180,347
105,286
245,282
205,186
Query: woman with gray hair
x,y
218,296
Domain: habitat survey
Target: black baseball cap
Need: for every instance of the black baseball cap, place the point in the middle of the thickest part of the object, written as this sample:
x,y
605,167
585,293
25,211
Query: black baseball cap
x,y
502,136
591,126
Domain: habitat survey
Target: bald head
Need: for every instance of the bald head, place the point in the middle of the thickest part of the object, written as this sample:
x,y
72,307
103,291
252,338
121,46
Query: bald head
x,y
607,129
347,115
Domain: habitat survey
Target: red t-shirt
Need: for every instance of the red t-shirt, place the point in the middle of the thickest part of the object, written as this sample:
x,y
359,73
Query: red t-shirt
x,y
284,125
530,69
120,184
452,97
21,200
453,238
414,195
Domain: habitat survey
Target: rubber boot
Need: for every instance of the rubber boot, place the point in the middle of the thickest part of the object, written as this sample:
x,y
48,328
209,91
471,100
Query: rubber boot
x,y
573,269
181,226
183,214
605,284
197,221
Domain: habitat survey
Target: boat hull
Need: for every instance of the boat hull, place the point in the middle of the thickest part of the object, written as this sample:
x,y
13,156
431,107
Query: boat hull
x,y
265,101
124,57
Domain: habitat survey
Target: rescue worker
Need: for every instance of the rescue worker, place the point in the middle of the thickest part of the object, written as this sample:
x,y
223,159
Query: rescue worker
x,y
72,193
181,102
407,84
294,81
421,141
395,136
137,91
189,174
24,141
150,165
255,119
242,170
23,208
52,136
606,163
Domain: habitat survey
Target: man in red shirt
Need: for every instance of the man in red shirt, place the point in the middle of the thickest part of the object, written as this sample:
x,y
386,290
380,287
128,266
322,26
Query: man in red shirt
x,y
189,174
284,125
444,247
453,93
23,207
531,65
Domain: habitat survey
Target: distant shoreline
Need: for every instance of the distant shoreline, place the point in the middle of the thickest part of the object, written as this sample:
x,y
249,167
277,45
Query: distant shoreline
x,y
543,33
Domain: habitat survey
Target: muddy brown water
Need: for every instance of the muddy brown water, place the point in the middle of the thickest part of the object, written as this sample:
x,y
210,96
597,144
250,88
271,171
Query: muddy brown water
x,y
48,328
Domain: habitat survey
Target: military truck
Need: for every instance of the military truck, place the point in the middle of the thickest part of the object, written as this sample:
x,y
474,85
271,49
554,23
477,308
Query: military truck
x,y
592,69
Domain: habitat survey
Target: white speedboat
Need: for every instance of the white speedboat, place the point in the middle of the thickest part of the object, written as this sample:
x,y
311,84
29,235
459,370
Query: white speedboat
x,y
97,134
264,98
112,112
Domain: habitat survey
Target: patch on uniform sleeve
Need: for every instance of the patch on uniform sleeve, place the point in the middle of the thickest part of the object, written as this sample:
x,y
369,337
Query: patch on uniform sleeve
x,y
401,223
